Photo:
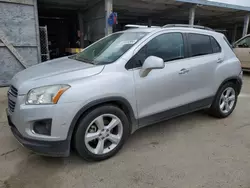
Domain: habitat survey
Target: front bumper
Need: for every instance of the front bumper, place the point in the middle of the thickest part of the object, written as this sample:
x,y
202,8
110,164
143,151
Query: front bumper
x,y
22,119
48,148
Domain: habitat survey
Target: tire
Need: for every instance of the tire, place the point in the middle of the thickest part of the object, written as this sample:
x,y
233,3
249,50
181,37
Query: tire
x,y
216,109
92,124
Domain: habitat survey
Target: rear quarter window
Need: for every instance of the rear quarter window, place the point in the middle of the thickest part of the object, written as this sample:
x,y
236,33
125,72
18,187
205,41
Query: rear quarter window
x,y
215,45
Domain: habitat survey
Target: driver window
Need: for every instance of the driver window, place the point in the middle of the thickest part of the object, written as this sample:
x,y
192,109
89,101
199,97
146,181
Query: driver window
x,y
169,46
244,43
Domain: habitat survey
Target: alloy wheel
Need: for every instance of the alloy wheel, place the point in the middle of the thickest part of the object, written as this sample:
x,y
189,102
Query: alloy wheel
x,y
103,134
227,100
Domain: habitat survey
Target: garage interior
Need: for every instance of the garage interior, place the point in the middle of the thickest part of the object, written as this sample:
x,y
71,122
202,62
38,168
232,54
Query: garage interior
x,y
74,24
39,30
62,27
71,25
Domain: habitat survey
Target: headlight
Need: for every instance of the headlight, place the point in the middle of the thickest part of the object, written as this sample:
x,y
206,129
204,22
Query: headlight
x,y
46,95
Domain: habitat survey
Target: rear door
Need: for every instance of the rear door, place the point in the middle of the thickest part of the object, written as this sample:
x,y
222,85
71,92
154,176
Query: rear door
x,y
242,51
205,55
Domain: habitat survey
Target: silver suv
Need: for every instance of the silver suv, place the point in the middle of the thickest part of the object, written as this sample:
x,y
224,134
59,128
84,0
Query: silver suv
x,y
94,100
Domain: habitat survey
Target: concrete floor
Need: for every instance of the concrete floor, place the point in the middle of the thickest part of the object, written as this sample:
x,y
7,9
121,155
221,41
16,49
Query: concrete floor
x,y
187,152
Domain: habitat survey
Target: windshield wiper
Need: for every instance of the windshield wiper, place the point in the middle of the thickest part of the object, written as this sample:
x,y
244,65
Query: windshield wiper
x,y
72,56
84,60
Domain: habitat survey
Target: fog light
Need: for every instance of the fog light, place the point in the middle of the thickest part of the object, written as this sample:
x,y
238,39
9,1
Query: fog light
x,y
43,127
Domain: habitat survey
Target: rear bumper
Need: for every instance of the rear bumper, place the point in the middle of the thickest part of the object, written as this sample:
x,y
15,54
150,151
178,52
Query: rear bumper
x,y
240,83
48,148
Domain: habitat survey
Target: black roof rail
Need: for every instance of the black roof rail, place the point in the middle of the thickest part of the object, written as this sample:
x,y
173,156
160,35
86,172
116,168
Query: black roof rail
x,y
186,25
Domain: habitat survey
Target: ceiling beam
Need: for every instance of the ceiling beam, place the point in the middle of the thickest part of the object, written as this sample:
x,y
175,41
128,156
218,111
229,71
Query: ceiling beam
x,y
68,5
173,11
225,17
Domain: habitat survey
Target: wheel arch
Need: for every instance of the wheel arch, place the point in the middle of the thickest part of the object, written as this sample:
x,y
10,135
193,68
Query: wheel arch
x,y
234,79
120,102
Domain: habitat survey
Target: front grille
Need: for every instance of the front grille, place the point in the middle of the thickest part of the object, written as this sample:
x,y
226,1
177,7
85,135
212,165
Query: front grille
x,y
12,105
12,95
13,91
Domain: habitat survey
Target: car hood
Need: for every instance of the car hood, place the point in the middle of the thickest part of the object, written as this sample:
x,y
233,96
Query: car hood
x,y
58,71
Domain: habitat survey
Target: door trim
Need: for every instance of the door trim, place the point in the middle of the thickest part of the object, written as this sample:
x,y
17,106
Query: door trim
x,y
181,110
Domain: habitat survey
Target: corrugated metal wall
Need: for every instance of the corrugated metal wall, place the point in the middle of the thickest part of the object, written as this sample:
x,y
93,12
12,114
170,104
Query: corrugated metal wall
x,y
19,37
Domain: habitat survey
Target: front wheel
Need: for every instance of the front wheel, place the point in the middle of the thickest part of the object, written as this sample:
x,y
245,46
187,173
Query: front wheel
x,y
101,133
225,101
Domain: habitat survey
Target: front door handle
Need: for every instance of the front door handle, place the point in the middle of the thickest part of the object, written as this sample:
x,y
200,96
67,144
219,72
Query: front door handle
x,y
183,71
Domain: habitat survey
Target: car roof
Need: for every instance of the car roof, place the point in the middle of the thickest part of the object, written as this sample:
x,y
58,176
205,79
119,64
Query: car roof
x,y
147,30
189,29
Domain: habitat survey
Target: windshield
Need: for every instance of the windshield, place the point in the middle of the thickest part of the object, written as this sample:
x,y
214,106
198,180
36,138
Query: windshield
x,y
110,48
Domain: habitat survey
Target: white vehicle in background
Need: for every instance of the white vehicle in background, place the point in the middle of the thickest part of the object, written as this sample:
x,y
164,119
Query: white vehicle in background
x,y
242,51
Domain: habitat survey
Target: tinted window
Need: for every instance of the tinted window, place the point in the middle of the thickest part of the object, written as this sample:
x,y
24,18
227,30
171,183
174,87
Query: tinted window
x,y
168,46
140,57
216,47
199,45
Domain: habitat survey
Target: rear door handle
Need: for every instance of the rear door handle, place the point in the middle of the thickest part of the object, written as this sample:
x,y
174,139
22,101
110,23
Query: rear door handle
x,y
219,60
183,71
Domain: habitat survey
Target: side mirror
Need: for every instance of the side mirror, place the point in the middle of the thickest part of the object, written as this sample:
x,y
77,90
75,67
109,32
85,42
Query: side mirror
x,y
152,62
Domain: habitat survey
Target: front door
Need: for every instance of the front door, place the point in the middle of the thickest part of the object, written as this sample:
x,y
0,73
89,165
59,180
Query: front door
x,y
166,88
242,51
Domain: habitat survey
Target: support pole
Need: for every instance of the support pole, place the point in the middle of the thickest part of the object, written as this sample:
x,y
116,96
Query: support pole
x,y
108,11
192,15
81,27
246,24
234,34
149,22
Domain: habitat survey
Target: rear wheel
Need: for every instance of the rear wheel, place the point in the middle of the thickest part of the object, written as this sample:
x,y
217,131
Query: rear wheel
x,y
225,101
101,133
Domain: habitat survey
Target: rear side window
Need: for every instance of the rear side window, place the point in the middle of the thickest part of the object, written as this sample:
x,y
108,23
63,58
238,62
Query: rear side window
x,y
199,45
215,45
